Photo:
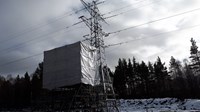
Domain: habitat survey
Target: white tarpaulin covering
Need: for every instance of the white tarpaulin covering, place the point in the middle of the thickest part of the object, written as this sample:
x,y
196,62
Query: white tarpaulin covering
x,y
69,65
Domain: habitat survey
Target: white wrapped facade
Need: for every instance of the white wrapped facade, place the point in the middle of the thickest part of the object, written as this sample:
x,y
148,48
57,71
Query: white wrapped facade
x,y
69,65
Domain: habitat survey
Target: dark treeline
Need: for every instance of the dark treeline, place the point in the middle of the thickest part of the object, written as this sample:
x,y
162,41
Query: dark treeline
x,y
20,91
131,79
140,80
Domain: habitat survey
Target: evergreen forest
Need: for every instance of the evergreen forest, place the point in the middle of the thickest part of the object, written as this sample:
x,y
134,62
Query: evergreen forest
x,y
131,80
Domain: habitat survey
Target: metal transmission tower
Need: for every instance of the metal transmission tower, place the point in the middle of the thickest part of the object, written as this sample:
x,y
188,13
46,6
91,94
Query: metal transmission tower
x,y
96,35
104,94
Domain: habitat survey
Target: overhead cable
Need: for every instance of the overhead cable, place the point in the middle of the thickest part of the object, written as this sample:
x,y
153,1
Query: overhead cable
x,y
153,21
121,43
151,36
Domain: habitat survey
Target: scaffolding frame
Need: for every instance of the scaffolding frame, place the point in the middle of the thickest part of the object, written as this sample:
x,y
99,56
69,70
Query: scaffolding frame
x,y
99,98
82,97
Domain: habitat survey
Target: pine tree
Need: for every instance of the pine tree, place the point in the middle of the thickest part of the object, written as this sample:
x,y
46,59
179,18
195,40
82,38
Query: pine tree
x,y
152,79
191,81
18,93
179,82
195,63
129,77
195,57
27,89
7,94
119,81
36,82
144,77
160,75
175,68
134,77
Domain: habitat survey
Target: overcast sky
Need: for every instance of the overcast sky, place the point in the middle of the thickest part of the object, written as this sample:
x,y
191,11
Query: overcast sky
x,y
28,27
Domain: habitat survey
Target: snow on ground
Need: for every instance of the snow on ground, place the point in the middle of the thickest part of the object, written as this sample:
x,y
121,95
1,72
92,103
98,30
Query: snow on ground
x,y
160,105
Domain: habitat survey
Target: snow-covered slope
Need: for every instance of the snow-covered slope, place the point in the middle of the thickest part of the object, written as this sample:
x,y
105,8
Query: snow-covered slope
x,y
160,105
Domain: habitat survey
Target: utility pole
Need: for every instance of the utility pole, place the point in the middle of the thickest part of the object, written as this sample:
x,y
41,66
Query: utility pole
x,y
96,34
104,93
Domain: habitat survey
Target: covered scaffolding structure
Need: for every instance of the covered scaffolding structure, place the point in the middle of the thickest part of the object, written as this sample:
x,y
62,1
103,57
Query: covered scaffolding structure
x,y
70,65
79,71
73,76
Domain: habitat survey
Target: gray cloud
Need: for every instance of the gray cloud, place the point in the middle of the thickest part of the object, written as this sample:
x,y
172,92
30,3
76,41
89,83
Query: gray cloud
x,y
18,16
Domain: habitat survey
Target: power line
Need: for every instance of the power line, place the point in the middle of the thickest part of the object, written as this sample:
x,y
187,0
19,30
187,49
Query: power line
x,y
148,38
16,46
124,7
121,43
44,25
127,10
52,22
125,28
128,29
18,69
32,28
38,26
77,23
14,61
21,59
121,1
110,12
21,44
152,36
38,37
153,21
29,41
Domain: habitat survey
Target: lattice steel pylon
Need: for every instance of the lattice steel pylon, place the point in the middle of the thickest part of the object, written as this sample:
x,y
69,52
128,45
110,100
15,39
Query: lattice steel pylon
x,y
106,101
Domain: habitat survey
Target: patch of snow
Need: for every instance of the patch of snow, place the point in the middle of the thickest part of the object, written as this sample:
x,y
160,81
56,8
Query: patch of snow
x,y
159,105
